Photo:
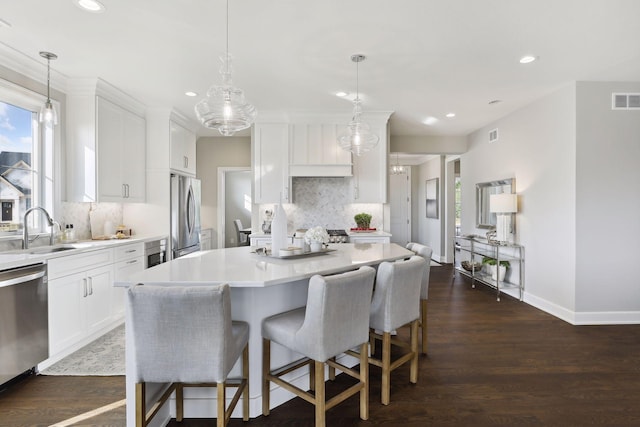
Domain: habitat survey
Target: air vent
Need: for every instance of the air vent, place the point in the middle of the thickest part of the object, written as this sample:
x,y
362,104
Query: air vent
x,y
625,101
493,135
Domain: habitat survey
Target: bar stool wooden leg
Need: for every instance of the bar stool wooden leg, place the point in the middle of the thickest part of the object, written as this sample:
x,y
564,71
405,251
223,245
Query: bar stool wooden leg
x,y
364,378
386,367
320,395
423,324
332,371
266,366
179,402
141,398
414,351
221,401
245,376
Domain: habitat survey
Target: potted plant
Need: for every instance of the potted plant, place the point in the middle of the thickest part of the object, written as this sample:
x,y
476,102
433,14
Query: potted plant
x,y
363,220
496,273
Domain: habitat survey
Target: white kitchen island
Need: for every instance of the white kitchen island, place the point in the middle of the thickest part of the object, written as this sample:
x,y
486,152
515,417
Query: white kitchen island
x,y
260,287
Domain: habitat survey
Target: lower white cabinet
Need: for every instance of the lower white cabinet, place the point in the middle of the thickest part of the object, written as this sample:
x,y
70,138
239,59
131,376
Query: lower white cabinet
x,y
369,239
206,235
129,260
80,296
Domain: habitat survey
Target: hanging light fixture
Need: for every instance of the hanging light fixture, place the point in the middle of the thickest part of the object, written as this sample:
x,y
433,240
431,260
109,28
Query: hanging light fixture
x,y
358,137
397,169
225,108
48,112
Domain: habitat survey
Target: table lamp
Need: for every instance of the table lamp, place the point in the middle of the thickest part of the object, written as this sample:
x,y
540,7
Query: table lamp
x,y
504,206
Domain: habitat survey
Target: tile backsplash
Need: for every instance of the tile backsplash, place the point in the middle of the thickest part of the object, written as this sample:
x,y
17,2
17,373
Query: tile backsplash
x,y
71,213
326,202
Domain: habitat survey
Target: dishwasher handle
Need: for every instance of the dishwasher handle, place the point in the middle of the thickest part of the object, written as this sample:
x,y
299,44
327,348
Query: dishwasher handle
x,y
21,279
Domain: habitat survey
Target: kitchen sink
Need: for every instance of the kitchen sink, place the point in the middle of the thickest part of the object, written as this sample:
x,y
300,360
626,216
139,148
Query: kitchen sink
x,y
51,249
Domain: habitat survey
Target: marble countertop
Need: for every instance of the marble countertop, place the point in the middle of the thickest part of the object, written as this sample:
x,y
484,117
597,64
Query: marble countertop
x,y
239,267
34,255
349,232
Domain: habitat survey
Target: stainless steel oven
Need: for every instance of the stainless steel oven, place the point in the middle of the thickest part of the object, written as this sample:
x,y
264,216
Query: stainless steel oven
x,y
155,252
24,324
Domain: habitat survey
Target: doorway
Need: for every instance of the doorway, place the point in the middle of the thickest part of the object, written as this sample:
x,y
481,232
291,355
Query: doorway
x,y
400,209
234,202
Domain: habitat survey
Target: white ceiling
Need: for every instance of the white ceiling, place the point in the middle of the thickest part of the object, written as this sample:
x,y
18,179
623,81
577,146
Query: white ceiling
x,y
425,58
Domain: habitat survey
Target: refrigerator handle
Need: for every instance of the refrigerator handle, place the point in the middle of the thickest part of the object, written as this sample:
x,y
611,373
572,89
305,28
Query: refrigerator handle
x,y
191,210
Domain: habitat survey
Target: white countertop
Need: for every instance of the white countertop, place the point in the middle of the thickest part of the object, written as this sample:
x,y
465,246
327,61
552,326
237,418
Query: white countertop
x,y
239,267
18,258
349,232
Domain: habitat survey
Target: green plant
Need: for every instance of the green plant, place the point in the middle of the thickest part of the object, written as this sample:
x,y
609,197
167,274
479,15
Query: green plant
x,y
492,261
363,220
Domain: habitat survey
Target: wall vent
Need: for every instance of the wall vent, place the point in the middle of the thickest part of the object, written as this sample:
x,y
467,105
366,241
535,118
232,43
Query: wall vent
x,y
625,101
493,135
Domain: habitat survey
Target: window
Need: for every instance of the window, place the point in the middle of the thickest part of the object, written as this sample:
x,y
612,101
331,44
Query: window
x,y
26,159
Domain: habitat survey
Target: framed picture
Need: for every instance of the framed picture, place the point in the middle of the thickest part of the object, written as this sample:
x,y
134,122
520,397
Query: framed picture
x,y
431,190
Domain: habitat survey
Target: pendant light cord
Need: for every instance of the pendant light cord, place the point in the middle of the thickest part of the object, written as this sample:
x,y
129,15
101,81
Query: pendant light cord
x,y
227,58
48,78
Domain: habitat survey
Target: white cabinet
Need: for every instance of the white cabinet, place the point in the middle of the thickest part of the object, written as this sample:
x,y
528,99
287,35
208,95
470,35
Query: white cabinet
x,y
270,149
370,170
183,149
106,144
129,259
314,151
120,153
369,239
79,297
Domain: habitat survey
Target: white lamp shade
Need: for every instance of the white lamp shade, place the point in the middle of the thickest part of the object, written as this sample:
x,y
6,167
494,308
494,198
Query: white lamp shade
x,y
503,203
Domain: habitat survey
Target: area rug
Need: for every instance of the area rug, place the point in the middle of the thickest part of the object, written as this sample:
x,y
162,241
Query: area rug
x,y
102,357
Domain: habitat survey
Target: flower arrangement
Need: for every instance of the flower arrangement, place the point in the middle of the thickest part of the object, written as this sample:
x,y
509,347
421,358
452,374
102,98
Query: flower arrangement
x,y
316,234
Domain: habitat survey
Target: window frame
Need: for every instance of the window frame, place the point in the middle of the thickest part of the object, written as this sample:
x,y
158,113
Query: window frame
x,y
48,158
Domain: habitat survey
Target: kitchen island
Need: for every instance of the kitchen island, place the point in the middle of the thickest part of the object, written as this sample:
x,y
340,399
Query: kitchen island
x,y
260,287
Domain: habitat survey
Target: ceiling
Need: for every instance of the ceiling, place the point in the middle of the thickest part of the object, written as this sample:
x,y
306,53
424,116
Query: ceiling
x,y
425,58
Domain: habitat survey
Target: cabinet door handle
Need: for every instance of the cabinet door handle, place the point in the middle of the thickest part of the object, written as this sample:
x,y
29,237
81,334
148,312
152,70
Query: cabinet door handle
x,y
124,190
133,261
186,161
90,285
130,251
127,190
84,285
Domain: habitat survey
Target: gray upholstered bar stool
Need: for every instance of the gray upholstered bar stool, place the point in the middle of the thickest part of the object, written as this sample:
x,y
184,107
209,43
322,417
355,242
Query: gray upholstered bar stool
x,y
395,304
335,319
425,252
185,336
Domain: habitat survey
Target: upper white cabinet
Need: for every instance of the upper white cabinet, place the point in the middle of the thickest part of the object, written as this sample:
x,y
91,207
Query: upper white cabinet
x,y
313,151
183,149
106,143
270,148
369,180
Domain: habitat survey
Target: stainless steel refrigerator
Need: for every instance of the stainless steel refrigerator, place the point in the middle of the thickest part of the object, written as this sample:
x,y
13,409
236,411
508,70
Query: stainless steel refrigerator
x,y
185,215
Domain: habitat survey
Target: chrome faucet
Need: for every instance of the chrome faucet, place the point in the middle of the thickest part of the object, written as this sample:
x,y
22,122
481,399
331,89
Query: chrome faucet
x,y
25,232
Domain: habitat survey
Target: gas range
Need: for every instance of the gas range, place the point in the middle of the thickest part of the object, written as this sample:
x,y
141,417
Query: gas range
x,y
338,236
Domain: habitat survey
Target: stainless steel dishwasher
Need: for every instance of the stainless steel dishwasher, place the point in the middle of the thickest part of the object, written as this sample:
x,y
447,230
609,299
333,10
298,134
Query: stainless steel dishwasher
x,y
24,323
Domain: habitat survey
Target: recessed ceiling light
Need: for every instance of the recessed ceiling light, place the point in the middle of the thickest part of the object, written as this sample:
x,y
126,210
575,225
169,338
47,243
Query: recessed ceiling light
x,y
189,93
450,115
430,121
495,101
4,23
528,59
93,6
341,94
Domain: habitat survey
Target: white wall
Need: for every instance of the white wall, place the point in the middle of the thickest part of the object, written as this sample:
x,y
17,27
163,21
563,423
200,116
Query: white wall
x,y
607,204
430,231
537,147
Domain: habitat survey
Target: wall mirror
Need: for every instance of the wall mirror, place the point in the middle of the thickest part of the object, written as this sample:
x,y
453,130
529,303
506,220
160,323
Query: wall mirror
x,y
484,218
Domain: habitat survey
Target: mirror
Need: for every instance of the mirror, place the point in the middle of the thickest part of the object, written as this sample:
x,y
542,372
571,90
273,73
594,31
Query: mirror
x,y
484,218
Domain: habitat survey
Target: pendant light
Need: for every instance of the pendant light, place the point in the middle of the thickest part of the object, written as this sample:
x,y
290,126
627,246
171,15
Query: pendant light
x,y
397,169
48,112
225,108
358,137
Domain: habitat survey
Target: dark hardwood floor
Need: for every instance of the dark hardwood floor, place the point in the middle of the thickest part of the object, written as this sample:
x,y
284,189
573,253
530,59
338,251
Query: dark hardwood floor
x,y
490,364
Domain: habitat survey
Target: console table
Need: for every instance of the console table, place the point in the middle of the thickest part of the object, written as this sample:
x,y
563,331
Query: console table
x,y
471,250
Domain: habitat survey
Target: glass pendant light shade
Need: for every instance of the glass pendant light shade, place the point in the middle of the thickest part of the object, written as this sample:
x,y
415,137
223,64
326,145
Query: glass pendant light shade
x,y
358,137
48,112
225,108
397,169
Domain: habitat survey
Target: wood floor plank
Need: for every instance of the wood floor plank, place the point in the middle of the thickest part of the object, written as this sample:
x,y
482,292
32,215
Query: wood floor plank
x,y
489,364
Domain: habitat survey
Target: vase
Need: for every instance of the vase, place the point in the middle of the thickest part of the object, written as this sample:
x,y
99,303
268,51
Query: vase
x,y
498,273
315,246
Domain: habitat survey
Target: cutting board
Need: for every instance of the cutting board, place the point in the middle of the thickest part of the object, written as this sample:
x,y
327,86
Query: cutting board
x,y
96,222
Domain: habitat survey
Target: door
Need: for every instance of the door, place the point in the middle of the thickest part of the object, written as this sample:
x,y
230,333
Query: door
x,y
400,209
